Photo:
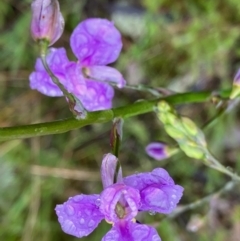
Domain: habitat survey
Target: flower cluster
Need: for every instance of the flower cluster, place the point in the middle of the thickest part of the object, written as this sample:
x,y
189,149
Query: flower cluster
x,y
96,43
119,204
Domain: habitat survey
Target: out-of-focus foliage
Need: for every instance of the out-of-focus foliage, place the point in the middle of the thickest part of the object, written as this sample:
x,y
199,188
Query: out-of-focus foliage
x,y
182,45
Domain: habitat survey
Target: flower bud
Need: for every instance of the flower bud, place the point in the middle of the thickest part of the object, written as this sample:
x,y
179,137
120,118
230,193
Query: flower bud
x,y
159,151
47,21
236,86
116,135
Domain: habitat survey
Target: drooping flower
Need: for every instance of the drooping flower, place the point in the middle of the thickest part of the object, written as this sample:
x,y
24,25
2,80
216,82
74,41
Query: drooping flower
x,y
47,20
119,204
94,41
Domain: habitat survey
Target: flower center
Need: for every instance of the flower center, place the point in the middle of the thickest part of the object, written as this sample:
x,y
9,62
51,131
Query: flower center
x,y
120,211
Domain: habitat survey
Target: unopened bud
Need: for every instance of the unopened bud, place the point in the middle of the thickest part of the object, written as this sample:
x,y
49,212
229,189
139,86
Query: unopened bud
x,y
47,21
236,86
116,135
159,151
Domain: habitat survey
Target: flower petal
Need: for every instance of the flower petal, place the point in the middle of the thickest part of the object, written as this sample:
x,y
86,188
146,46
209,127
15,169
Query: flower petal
x,y
157,189
43,83
98,96
130,231
80,215
74,80
96,41
108,167
107,74
119,202
162,200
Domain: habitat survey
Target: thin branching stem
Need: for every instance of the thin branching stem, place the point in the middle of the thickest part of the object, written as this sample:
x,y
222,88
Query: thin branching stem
x,y
181,209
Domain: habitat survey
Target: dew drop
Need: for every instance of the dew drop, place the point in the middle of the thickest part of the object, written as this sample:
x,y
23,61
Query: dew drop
x,y
70,210
77,198
98,202
91,223
88,212
81,221
152,213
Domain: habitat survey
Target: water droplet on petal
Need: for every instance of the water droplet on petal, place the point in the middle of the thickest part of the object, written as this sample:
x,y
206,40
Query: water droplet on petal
x,y
88,212
91,223
77,198
152,213
81,221
155,238
174,196
98,202
70,210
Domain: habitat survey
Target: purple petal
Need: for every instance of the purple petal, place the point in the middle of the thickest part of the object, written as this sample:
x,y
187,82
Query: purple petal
x,y
74,80
129,231
96,42
43,83
236,80
98,96
107,74
108,167
119,202
157,150
157,189
80,215
162,200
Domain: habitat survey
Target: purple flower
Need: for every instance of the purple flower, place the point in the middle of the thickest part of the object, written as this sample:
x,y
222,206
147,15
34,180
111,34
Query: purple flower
x,y
236,80
47,20
119,204
95,42
157,150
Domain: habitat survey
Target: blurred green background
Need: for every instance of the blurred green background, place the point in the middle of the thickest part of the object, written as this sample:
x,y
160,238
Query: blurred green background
x,y
181,45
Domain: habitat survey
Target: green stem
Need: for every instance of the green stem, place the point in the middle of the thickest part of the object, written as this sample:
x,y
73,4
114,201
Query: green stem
x,y
212,162
140,107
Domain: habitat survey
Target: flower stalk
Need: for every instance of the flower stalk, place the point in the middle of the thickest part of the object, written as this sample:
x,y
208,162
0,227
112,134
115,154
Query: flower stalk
x,y
75,104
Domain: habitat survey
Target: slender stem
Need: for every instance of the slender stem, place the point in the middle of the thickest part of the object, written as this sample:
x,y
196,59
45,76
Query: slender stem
x,y
157,92
215,164
140,107
75,104
227,187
